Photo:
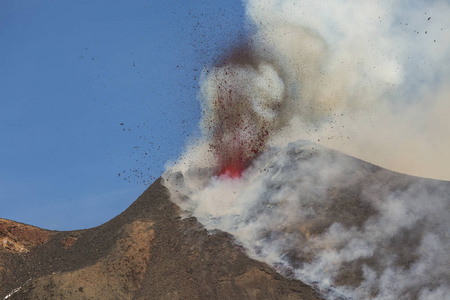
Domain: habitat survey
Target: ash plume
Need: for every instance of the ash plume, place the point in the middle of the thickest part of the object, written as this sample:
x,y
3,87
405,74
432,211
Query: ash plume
x,y
369,79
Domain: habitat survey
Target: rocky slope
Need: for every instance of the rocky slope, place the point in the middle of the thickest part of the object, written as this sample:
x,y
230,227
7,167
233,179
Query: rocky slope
x,y
147,252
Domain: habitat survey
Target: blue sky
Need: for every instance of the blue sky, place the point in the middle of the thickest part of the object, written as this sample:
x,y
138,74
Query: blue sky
x,y
72,72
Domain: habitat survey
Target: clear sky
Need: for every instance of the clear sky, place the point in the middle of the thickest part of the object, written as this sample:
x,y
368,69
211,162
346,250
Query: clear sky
x,y
93,89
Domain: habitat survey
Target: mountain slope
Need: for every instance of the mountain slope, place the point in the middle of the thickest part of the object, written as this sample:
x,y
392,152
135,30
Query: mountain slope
x,y
147,251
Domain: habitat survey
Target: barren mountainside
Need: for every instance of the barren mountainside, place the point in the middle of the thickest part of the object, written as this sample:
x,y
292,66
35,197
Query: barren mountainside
x,y
147,252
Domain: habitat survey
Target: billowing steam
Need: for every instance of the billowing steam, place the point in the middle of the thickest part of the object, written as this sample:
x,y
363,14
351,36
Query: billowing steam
x,y
349,228
369,79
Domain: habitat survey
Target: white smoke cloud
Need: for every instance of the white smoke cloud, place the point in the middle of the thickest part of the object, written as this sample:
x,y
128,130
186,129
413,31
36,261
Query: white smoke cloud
x,y
367,78
349,228
373,81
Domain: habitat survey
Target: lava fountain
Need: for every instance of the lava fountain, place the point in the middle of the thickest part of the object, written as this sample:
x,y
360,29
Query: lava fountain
x,y
241,111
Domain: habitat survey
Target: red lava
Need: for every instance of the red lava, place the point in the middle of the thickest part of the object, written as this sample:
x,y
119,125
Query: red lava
x,y
232,171
232,166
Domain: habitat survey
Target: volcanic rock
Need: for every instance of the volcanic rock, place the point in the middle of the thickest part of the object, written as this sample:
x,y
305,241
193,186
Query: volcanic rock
x,y
147,252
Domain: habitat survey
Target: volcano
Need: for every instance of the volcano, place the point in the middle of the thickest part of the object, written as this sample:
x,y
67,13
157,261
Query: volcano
x,y
346,227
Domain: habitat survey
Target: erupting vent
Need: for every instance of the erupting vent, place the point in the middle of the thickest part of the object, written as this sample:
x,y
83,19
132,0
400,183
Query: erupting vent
x,y
228,143
238,124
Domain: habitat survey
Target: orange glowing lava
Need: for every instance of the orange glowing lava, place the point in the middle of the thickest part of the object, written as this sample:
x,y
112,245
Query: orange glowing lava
x,y
232,171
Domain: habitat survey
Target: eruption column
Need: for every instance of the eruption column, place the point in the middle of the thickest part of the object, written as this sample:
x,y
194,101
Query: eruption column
x,y
240,114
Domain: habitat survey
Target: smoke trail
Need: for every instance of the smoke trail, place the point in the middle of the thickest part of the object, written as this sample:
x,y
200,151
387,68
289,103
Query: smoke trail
x,y
368,79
